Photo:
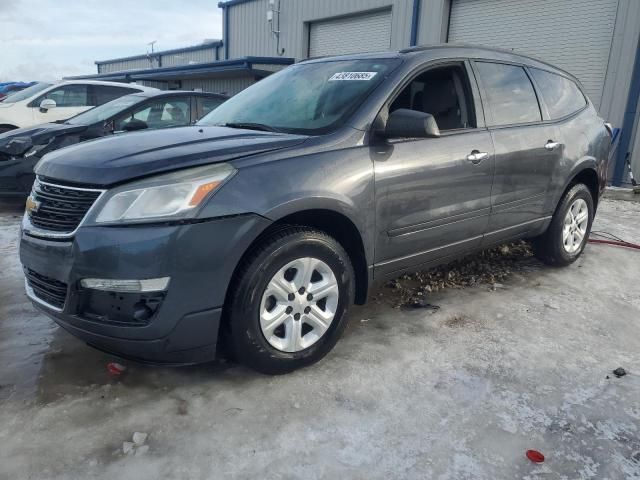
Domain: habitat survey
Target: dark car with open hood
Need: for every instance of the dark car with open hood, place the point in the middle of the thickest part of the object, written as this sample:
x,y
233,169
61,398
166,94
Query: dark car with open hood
x,y
21,149
257,228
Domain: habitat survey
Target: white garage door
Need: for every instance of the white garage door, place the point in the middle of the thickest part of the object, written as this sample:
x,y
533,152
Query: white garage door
x,y
574,35
362,33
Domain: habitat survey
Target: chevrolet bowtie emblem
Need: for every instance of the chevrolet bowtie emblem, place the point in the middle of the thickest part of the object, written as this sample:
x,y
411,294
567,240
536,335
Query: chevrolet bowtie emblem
x,y
32,205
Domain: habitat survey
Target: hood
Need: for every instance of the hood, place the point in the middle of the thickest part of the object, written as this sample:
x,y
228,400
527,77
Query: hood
x,y
112,160
18,142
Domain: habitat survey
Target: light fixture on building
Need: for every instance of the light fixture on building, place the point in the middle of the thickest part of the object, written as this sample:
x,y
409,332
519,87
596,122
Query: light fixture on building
x,y
273,17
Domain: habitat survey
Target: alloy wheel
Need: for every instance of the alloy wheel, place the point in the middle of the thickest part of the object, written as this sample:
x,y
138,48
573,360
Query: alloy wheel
x,y
575,226
299,304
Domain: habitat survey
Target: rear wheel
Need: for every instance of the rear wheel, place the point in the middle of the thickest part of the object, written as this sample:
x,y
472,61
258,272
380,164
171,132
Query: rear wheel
x,y
567,235
289,301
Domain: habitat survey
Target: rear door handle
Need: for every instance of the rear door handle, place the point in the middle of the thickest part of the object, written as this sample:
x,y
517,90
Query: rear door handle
x,y
476,156
551,145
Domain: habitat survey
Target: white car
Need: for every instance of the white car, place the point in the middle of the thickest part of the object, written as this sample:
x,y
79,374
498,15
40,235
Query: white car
x,y
47,103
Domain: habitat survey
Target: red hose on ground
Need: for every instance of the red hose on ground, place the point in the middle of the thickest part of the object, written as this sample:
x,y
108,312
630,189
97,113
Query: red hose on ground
x,y
616,243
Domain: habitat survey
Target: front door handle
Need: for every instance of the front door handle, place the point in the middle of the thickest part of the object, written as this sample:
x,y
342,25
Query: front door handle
x,y
551,145
476,156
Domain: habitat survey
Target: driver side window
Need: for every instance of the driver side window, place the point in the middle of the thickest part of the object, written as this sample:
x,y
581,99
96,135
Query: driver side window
x,y
141,114
171,112
444,92
66,96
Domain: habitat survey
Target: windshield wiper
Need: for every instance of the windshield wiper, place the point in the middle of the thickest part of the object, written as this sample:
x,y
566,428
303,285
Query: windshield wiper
x,y
252,126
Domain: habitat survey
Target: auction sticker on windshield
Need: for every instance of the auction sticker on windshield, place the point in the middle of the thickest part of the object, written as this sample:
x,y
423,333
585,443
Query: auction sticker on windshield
x,y
343,76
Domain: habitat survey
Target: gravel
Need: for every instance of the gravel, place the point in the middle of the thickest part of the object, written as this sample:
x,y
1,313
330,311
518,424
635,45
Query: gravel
x,y
489,267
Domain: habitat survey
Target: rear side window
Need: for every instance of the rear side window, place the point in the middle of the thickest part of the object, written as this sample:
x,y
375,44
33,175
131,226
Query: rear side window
x,y
561,95
509,93
101,94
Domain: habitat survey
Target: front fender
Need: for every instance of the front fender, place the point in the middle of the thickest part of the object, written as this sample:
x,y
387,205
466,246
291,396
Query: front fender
x,y
338,181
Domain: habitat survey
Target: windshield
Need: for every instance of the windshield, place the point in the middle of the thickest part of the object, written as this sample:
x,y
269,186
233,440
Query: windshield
x,y
26,93
103,112
308,98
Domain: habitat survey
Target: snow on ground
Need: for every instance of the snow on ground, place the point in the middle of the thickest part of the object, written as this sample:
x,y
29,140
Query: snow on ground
x,y
460,393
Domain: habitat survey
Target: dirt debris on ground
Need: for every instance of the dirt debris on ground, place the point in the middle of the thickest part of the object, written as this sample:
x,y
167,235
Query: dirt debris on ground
x,y
489,267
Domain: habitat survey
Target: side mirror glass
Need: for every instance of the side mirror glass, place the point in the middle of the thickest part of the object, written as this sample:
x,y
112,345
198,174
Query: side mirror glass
x,y
404,123
47,104
134,124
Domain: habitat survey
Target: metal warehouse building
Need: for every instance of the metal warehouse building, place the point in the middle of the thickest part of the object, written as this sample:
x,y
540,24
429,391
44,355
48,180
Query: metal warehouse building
x,y
596,40
200,67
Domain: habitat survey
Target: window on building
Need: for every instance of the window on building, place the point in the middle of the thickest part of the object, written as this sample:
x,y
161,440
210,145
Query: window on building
x,y
444,93
170,112
67,96
510,94
101,94
561,95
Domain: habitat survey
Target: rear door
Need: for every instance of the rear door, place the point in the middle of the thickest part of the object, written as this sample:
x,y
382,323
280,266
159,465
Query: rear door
x,y
526,150
433,197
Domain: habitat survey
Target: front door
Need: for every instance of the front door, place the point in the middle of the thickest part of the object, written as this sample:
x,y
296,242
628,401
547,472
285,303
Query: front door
x,y
526,150
70,100
433,195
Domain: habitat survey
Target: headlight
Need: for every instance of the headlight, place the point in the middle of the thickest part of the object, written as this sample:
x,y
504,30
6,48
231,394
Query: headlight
x,y
163,197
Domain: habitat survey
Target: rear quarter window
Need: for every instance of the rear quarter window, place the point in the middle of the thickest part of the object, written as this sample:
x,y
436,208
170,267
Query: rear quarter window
x,y
101,94
561,95
509,94
210,104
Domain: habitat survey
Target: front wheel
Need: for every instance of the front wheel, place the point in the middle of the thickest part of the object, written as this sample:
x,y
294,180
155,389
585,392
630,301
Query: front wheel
x,y
289,301
567,235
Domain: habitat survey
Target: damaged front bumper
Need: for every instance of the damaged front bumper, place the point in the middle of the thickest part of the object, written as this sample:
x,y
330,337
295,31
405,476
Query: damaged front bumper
x,y
175,324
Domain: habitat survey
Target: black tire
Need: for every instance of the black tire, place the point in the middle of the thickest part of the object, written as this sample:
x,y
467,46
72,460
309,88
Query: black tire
x,y
244,335
549,247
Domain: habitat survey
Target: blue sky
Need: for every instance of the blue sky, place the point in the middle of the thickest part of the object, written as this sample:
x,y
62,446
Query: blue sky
x,y
48,39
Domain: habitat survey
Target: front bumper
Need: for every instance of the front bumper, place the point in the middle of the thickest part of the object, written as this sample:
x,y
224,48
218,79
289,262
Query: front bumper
x,y
199,258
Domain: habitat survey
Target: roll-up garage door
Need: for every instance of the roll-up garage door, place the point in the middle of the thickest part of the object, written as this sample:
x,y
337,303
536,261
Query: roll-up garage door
x,y
574,35
362,33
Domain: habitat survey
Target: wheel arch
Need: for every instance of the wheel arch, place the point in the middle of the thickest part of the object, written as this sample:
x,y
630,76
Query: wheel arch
x,y
8,126
588,176
332,222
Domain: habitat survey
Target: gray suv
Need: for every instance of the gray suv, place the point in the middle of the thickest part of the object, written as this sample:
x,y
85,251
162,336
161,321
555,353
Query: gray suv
x,y
258,227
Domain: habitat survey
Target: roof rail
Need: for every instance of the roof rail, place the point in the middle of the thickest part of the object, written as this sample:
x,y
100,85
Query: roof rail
x,y
436,46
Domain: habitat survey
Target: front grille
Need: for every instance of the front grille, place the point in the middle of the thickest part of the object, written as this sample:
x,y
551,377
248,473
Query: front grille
x,y
47,289
59,208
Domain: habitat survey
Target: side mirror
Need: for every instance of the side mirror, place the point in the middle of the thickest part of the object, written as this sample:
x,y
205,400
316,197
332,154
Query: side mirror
x,y
47,104
134,124
404,123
